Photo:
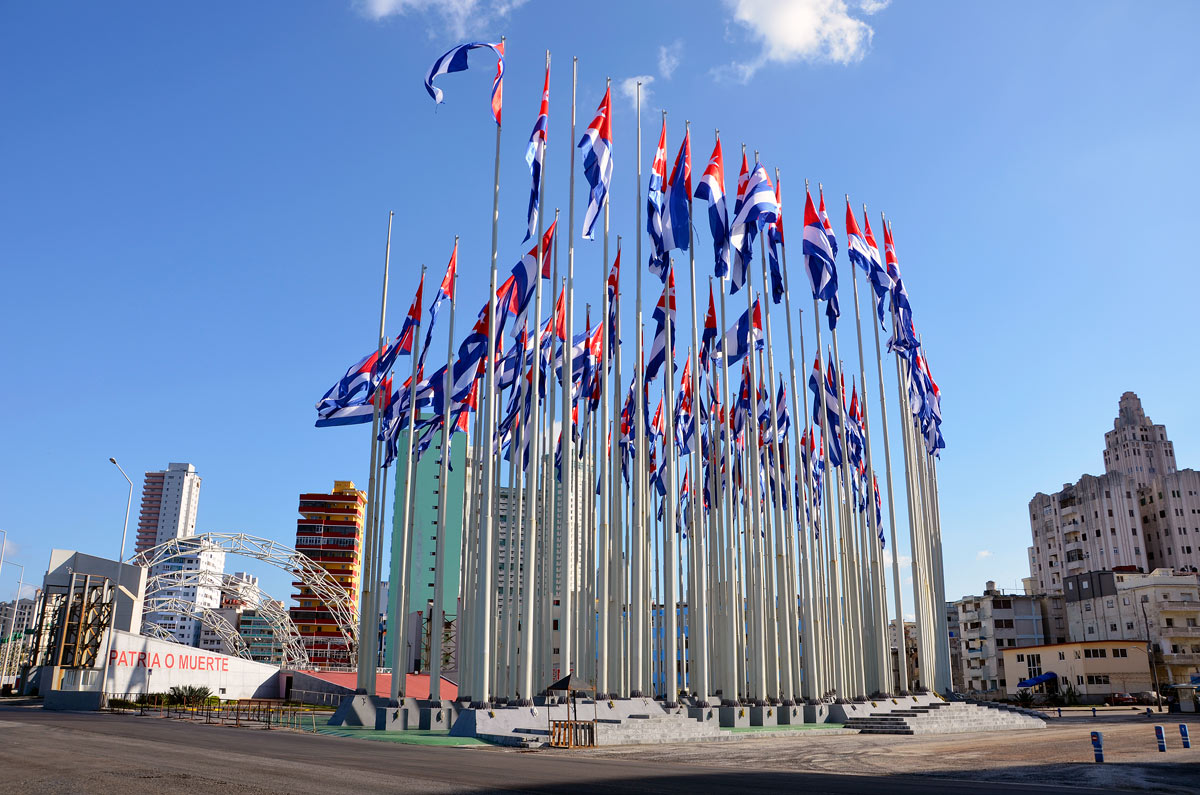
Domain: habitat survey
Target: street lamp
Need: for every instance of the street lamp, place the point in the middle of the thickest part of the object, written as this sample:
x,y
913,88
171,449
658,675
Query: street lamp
x,y
116,591
12,622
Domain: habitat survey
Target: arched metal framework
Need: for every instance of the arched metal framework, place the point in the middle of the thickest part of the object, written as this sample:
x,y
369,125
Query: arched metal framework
x,y
209,618
283,630
308,572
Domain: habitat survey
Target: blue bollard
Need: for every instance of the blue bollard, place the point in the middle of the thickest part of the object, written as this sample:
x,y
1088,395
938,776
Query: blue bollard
x,y
1060,712
1149,712
1183,734
1093,712
1161,737
1098,746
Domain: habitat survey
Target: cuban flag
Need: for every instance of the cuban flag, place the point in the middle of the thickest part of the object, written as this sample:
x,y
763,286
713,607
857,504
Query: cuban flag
x,y
832,428
455,60
740,257
658,263
676,222
818,260
596,144
471,357
904,338
445,292
710,332
685,425
712,190
737,340
824,216
758,209
535,156
881,282
854,430
404,343
331,408
663,313
524,275
774,244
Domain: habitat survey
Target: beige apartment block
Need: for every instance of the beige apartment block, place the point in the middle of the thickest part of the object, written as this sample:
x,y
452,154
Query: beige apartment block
x,y
1095,669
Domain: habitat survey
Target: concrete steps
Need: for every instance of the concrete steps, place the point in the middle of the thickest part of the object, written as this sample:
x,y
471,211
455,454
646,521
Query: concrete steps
x,y
944,718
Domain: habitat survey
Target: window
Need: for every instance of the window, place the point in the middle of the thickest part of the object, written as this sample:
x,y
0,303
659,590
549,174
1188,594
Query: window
x,y
1020,658
1120,653
1062,655
1097,679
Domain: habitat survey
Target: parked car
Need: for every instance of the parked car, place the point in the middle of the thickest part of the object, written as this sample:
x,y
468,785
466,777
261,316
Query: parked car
x,y
1147,697
1120,700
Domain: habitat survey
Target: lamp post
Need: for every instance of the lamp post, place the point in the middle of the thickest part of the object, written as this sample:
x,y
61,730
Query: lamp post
x,y
116,591
1150,658
12,622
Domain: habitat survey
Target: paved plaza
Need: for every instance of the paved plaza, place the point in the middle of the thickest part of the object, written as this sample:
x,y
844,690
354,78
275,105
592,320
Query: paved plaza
x,y
43,752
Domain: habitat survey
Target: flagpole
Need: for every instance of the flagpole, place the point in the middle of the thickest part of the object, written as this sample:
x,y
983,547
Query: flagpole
x,y
614,593
566,634
637,596
365,665
782,548
869,484
697,609
808,639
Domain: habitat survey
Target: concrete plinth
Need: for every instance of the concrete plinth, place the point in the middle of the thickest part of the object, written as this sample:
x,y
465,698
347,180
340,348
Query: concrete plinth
x,y
816,713
764,716
705,715
435,716
734,717
792,714
358,710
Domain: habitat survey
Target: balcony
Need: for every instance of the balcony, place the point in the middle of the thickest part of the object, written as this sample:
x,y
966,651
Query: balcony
x,y
1175,605
1188,658
1174,632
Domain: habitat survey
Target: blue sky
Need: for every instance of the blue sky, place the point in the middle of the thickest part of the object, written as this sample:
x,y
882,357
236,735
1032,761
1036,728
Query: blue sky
x,y
195,201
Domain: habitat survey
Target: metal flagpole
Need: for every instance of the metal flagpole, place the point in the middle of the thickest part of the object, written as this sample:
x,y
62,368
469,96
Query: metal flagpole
x,y
637,595
484,628
869,485
902,682
614,593
566,526
366,663
733,629
601,560
785,586
398,585
698,607
439,575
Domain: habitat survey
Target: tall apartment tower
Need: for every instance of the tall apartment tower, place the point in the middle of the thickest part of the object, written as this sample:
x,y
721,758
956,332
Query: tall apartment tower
x,y
1142,513
169,502
330,532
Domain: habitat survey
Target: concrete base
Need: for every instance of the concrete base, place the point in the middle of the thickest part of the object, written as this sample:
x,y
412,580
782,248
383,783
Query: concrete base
x,y
816,713
435,716
764,716
357,711
734,717
79,700
789,715
704,715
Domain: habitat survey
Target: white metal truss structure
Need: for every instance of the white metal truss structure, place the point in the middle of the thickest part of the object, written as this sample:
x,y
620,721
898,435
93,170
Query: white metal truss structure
x,y
210,619
284,633
311,574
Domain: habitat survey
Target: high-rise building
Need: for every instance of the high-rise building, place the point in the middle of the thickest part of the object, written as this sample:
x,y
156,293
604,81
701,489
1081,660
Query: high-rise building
x,y
170,499
23,618
1142,513
199,570
330,532
259,635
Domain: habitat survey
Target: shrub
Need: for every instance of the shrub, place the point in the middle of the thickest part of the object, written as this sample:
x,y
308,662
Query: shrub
x,y
189,695
1025,697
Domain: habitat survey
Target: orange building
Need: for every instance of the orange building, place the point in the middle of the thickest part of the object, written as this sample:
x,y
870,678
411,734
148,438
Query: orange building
x,y
330,532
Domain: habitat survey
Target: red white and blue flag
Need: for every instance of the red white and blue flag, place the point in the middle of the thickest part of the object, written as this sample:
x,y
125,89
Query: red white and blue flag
x,y
404,344
455,60
904,337
737,340
824,216
758,208
658,263
818,260
712,190
676,221
663,313
881,282
445,292
596,144
535,156
774,244
524,275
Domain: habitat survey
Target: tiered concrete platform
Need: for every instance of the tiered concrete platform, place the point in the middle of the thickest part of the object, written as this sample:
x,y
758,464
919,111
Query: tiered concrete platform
x,y
939,717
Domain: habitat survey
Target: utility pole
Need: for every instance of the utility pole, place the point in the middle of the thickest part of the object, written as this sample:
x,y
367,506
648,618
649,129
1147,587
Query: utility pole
x,y
1150,658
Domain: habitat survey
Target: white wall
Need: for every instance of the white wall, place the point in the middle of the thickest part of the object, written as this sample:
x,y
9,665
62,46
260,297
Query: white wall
x,y
139,664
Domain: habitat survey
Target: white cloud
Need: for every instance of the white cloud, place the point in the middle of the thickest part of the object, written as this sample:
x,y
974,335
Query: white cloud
x,y
809,30
460,16
983,554
669,56
905,560
628,88
910,616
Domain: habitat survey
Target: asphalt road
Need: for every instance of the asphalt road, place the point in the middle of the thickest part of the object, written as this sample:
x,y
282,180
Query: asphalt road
x,y
48,752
